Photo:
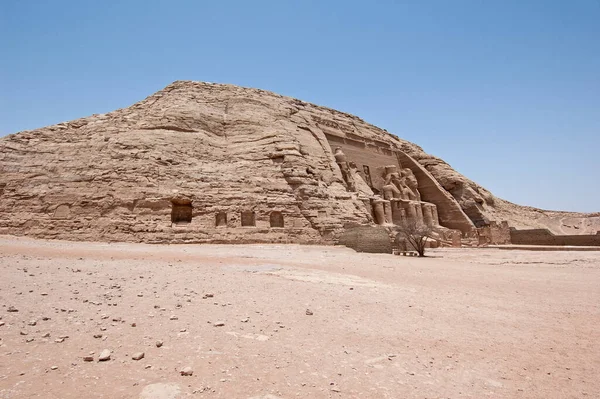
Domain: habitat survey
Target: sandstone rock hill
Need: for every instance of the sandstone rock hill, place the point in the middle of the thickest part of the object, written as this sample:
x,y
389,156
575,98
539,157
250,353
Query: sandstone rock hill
x,y
202,162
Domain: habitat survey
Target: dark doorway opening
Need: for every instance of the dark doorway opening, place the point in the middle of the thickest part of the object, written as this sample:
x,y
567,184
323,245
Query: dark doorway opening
x,y
276,219
248,219
181,213
221,219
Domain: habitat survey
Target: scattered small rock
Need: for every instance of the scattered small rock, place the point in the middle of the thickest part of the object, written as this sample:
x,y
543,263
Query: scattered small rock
x,y
88,358
309,312
219,324
186,371
53,367
104,355
173,317
32,323
159,344
138,356
12,309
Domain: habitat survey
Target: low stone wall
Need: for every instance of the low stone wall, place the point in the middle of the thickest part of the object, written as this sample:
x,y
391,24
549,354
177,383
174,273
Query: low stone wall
x,y
367,239
494,233
546,237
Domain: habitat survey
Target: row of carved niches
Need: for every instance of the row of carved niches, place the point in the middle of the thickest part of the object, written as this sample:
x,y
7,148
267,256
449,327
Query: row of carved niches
x,y
399,211
181,213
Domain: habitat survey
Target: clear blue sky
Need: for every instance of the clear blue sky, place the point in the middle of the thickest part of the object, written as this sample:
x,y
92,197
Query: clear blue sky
x,y
506,91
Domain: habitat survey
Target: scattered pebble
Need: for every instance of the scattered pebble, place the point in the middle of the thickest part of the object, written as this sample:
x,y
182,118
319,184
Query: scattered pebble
x,y
186,371
12,309
219,324
88,358
159,344
138,356
104,355
309,312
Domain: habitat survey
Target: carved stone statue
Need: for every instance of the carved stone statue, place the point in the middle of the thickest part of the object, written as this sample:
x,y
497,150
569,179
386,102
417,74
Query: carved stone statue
x,y
390,191
393,183
410,181
359,183
341,160
378,210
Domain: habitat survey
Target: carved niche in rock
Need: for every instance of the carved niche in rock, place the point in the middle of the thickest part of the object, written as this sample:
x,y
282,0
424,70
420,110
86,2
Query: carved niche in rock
x,y
181,211
221,219
248,219
276,219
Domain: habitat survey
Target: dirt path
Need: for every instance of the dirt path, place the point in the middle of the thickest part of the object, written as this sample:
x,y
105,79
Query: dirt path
x,y
467,323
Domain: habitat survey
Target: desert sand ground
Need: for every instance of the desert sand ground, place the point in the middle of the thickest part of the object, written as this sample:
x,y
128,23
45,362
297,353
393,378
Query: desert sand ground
x,y
290,321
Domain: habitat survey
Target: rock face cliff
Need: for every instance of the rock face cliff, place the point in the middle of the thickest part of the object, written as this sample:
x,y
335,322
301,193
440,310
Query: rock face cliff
x,y
201,162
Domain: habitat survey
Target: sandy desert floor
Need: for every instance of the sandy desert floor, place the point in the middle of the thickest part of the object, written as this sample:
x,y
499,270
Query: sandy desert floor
x,y
290,321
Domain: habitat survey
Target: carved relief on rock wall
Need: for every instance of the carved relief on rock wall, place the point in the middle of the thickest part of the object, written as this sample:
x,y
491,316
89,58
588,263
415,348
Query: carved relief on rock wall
x,y
400,199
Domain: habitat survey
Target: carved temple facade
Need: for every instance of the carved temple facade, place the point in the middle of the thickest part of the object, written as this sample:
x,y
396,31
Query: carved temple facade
x,y
209,163
385,180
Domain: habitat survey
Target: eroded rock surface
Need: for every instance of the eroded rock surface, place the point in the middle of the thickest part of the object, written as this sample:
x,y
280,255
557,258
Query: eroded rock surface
x,y
201,162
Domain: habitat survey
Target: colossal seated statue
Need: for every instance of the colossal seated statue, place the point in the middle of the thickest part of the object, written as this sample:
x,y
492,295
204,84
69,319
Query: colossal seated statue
x,y
393,178
402,190
390,191
378,210
410,181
